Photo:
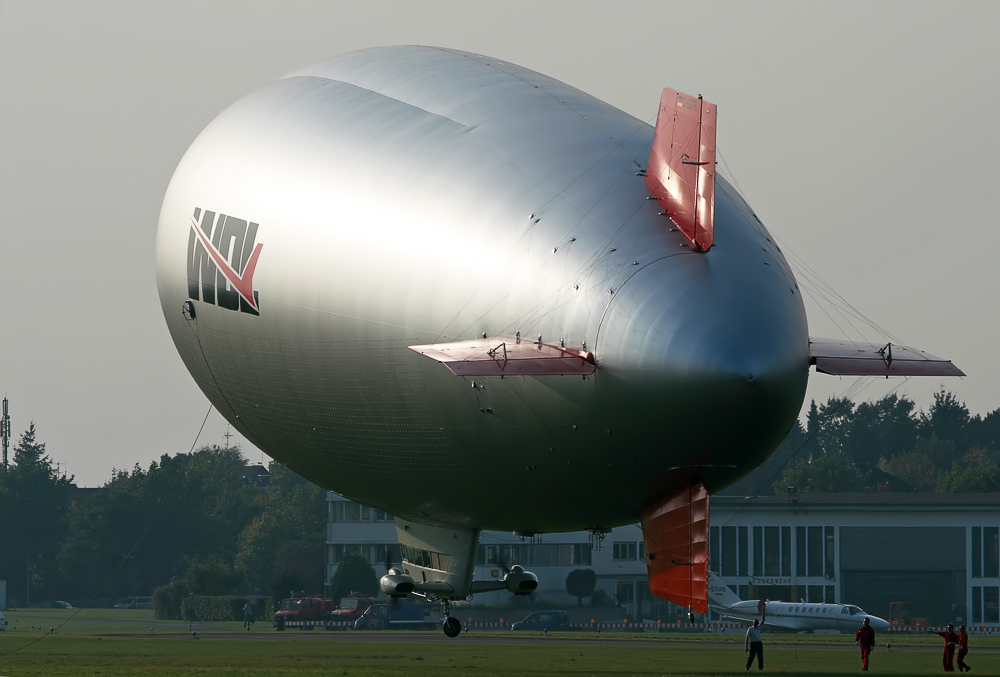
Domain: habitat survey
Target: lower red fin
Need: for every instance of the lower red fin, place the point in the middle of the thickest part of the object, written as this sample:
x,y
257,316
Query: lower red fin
x,y
675,530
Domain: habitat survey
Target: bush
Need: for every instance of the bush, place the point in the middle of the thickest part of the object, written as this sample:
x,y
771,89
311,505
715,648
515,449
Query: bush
x,y
223,608
167,600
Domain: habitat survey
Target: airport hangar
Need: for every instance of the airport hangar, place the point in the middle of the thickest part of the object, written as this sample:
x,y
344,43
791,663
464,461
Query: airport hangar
x,y
939,552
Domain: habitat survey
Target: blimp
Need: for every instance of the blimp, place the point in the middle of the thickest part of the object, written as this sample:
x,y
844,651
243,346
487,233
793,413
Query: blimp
x,y
475,297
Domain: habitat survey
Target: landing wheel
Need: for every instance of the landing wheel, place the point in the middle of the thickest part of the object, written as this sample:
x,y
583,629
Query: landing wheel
x,y
452,626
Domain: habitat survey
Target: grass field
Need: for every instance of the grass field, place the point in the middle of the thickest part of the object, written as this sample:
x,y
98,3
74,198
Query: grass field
x,y
114,642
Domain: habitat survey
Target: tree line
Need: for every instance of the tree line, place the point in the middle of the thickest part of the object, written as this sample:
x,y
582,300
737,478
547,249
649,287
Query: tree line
x,y
858,447
198,521
200,524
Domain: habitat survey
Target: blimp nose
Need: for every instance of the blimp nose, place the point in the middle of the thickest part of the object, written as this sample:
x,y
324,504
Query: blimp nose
x,y
720,350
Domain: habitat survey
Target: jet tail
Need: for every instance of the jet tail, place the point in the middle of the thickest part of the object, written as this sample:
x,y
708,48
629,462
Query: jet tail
x,y
720,595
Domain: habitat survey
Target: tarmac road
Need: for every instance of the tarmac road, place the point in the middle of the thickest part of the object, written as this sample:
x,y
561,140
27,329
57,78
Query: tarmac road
x,y
405,637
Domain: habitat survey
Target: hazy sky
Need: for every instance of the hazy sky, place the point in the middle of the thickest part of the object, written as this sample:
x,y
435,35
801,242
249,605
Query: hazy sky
x,y
865,135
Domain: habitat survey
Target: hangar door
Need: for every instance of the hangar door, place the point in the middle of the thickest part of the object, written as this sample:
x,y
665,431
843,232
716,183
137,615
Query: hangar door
x,y
921,565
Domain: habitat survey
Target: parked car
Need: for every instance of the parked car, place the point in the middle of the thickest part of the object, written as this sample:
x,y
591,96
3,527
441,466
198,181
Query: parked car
x,y
55,605
544,620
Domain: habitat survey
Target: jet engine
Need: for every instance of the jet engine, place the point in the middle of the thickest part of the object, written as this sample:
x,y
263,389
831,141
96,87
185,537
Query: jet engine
x,y
398,584
519,581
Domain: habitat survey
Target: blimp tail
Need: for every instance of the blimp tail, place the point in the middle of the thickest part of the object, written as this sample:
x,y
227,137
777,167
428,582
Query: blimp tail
x,y
675,530
681,171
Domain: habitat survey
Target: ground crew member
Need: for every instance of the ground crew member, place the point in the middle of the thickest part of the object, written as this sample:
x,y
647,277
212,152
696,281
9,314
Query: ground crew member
x,y
865,638
950,640
754,645
248,616
963,649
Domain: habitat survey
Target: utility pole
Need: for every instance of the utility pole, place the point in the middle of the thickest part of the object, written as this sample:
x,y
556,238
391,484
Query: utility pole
x,y
5,431
227,436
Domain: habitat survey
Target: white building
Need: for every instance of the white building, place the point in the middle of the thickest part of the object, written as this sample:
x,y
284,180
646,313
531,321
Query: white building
x,y
938,552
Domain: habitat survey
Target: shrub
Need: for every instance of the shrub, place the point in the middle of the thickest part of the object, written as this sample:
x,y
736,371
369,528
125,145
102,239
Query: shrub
x,y
167,600
223,608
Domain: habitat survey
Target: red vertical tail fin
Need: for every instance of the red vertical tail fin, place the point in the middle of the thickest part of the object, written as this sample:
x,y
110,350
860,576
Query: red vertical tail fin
x,y
675,530
681,172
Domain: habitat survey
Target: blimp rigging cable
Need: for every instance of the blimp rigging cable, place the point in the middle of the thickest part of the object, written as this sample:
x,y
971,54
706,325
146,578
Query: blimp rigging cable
x,y
128,556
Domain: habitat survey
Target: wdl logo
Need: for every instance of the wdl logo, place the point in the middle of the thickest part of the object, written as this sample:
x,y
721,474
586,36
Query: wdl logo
x,y
221,260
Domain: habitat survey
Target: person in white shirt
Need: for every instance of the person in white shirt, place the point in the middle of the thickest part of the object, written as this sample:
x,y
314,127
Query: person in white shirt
x,y
754,645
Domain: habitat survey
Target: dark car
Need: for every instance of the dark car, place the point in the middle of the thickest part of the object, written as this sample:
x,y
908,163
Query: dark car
x,y
544,620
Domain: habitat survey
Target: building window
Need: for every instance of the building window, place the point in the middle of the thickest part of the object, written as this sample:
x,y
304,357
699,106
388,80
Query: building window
x,y
758,551
786,551
991,604
744,567
729,551
713,550
977,604
625,551
351,512
800,551
977,552
991,552
815,552
625,593
829,567
814,594
772,551
830,595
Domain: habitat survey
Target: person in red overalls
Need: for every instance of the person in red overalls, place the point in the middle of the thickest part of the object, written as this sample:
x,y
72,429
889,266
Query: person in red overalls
x,y
950,640
865,638
963,649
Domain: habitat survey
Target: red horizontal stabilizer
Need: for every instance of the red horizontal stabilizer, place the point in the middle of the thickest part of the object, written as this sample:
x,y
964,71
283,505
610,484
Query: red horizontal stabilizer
x,y
846,358
681,172
675,530
509,356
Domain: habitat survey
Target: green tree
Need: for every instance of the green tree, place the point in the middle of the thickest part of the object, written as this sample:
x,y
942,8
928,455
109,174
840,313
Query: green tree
x,y
884,428
145,525
947,419
978,470
581,583
829,427
829,472
284,545
34,499
212,576
354,574
913,467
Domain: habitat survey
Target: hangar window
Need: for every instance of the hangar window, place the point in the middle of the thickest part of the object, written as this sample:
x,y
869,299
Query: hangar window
x,y
729,554
800,551
977,604
815,551
991,552
991,604
772,551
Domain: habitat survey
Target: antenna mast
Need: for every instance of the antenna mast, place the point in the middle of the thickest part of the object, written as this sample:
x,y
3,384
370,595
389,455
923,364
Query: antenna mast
x,y
5,431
